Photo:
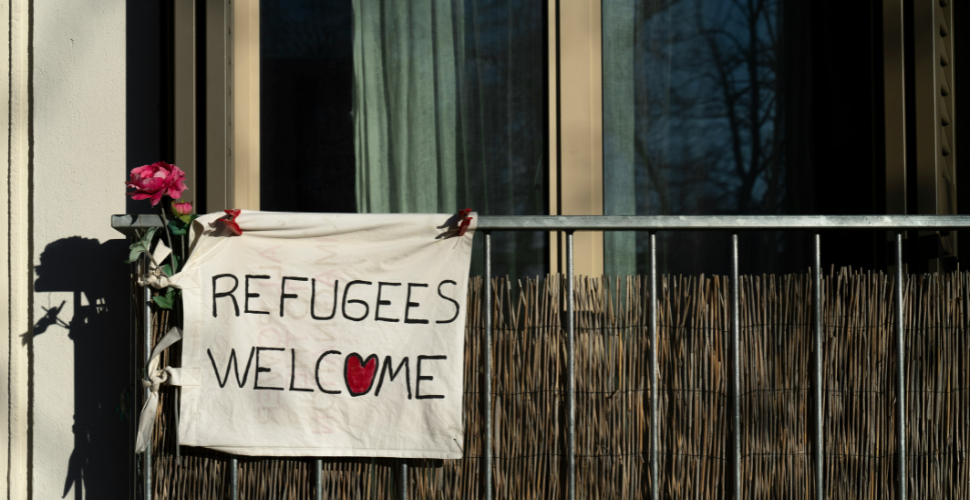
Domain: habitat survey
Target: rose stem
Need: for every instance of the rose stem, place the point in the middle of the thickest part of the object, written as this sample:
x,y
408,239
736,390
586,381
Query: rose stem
x,y
168,235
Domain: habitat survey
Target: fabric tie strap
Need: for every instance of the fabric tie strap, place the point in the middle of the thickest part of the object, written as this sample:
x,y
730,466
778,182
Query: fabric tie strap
x,y
156,377
156,277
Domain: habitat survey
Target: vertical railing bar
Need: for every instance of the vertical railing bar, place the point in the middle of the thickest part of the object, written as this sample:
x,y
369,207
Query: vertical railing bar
x,y
318,479
134,379
233,478
817,370
901,374
178,448
487,396
147,339
571,374
654,376
734,376
403,480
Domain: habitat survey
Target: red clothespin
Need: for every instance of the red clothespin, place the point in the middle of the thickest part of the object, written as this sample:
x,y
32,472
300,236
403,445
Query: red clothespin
x,y
464,220
231,221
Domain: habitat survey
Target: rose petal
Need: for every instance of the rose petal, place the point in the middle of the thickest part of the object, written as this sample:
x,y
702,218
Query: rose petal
x,y
156,197
181,209
156,181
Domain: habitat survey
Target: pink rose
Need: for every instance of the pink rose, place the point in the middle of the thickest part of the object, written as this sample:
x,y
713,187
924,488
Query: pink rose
x,y
156,180
181,209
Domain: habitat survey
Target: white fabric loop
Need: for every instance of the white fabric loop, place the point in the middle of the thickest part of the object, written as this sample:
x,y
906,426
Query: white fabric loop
x,y
156,277
156,378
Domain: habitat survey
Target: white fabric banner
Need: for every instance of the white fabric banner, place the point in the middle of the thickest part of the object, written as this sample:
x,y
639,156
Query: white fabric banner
x,y
325,335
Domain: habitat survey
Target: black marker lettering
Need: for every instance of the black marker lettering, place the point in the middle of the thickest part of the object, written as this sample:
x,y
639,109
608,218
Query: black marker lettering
x,y
449,299
409,304
320,359
394,373
355,301
293,373
248,295
377,308
419,378
234,364
313,299
283,294
224,294
259,370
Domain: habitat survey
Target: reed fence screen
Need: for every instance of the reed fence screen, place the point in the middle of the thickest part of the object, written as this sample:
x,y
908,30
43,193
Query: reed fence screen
x,y
613,392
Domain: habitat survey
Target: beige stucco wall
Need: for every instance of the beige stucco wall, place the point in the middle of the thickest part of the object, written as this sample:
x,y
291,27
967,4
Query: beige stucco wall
x,y
78,164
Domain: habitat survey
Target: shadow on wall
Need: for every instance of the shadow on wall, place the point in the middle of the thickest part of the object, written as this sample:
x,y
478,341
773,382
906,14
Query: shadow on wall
x,y
97,278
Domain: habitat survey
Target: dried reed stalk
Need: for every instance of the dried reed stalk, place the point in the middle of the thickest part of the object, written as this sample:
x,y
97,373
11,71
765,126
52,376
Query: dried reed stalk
x,y
613,391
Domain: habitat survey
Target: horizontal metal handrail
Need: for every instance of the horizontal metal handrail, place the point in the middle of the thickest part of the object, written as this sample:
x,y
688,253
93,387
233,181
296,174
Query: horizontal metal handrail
x,y
127,223
721,222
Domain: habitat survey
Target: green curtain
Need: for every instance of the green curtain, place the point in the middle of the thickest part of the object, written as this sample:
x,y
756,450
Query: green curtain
x,y
619,132
405,105
450,111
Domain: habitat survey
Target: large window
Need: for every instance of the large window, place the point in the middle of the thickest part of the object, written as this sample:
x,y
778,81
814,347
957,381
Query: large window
x,y
586,107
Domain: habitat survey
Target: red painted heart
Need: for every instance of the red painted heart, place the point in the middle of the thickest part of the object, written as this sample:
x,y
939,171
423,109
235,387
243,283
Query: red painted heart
x,y
359,373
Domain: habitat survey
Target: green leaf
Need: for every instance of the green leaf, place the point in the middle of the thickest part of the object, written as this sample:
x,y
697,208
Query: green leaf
x,y
187,219
168,300
177,227
163,301
170,270
136,249
141,246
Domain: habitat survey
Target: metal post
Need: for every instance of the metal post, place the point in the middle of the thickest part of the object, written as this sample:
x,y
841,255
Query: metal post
x,y
233,478
178,447
901,374
817,371
403,480
488,366
571,340
654,378
147,340
134,376
318,479
734,377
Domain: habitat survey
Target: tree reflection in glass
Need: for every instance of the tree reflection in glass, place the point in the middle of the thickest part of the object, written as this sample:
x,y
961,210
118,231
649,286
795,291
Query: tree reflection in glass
x,y
705,132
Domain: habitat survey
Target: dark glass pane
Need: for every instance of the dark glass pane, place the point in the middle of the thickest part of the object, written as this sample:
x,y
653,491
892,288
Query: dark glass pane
x,y
306,126
703,100
504,131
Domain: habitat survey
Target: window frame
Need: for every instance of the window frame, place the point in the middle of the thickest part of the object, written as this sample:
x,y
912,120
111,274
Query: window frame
x,y
225,96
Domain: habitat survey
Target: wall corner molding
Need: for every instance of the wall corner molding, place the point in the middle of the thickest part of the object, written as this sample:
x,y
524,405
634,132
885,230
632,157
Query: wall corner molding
x,y
16,278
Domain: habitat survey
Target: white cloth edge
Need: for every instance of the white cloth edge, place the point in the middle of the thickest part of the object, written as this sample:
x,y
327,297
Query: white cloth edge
x,y
156,377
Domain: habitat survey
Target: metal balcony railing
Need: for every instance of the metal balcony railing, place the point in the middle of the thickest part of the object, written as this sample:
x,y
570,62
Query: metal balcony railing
x,y
896,224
